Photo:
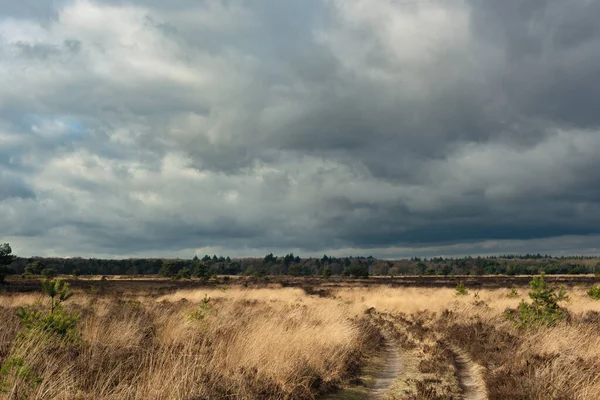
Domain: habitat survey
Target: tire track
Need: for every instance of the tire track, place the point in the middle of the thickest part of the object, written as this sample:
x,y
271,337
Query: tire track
x,y
470,376
391,371
411,339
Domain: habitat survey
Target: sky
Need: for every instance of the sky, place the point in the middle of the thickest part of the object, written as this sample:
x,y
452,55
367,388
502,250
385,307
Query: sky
x,y
390,128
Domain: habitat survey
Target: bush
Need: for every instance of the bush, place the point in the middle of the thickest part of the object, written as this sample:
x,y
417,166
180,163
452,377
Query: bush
x,y
184,273
594,292
34,268
513,293
48,272
60,322
57,320
58,290
461,290
544,308
357,271
13,371
203,309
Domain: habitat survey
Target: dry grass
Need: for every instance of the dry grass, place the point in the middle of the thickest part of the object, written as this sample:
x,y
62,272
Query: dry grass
x,y
271,343
413,300
275,342
548,362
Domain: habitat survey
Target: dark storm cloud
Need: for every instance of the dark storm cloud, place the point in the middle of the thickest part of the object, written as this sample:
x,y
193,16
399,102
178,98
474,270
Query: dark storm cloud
x,y
135,127
551,53
13,187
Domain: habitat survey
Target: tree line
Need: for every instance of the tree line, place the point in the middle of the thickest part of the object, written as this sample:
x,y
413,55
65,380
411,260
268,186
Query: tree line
x,y
294,265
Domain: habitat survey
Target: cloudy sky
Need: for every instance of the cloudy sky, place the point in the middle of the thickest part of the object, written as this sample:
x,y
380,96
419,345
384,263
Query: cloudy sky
x,y
384,127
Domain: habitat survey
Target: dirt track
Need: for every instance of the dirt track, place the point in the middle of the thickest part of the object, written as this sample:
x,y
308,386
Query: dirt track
x,y
391,370
419,364
469,375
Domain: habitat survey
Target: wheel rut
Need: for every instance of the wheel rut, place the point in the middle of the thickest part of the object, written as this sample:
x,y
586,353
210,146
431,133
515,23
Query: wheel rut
x,y
417,357
391,370
470,376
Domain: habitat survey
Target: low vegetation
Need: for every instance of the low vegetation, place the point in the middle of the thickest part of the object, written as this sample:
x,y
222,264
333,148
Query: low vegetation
x,y
594,292
434,328
461,290
327,339
544,308
235,343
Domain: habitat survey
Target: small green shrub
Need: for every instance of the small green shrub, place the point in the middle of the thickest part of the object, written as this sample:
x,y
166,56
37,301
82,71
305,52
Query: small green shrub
x,y
544,308
60,322
562,294
29,316
513,293
14,372
594,292
203,309
58,290
56,321
461,290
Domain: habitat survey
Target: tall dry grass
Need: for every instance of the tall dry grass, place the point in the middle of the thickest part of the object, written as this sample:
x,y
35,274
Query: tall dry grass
x,y
272,343
275,342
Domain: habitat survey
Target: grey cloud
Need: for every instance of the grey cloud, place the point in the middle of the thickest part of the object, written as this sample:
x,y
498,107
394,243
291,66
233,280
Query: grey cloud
x,y
387,126
13,186
551,56
36,50
30,9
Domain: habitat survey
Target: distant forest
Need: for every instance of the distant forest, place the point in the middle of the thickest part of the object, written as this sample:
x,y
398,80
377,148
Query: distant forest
x,y
290,264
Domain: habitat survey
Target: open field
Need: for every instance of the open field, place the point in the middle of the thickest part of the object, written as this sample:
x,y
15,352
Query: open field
x,y
294,338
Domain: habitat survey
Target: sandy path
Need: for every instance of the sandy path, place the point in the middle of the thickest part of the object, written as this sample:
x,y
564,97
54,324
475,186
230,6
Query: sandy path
x,y
390,372
470,377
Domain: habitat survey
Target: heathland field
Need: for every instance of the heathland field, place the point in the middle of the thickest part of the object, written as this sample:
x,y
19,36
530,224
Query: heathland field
x,y
253,338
